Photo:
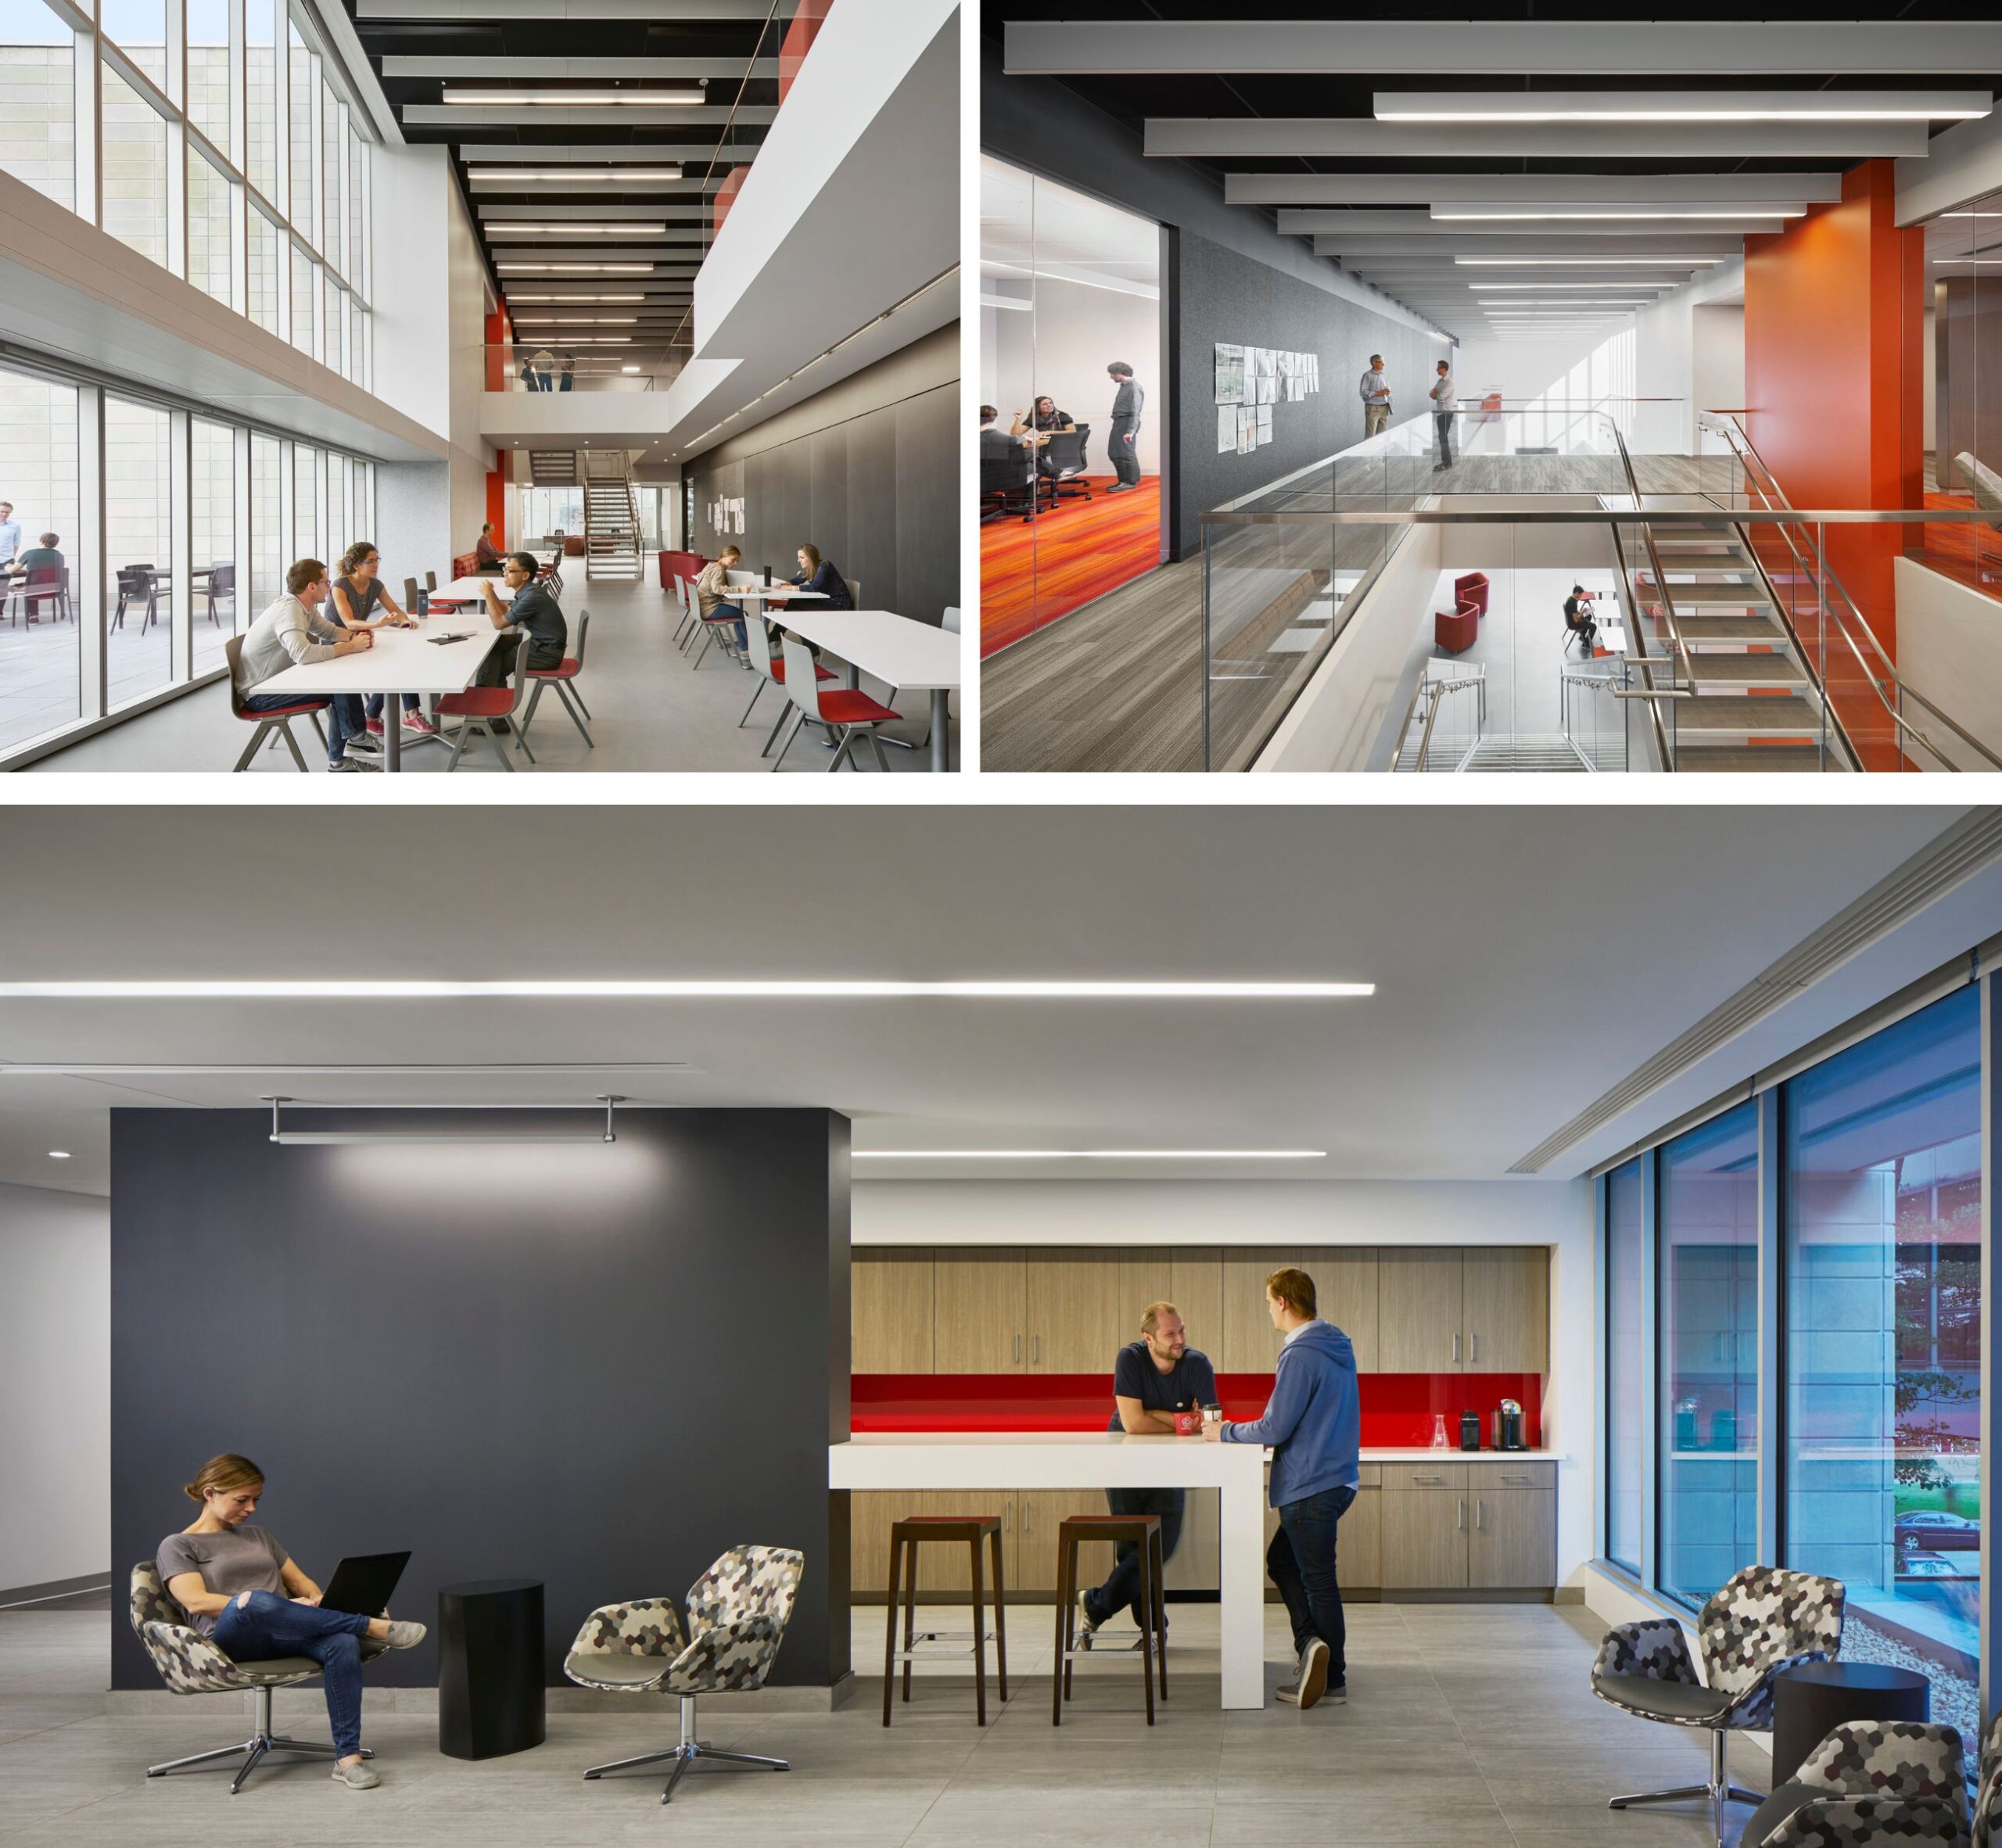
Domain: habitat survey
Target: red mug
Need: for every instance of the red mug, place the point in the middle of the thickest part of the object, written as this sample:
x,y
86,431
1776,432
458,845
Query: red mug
x,y
1189,1424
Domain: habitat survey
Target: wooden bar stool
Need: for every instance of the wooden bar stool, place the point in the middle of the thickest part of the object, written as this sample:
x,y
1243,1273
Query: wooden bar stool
x,y
1143,1530
965,1529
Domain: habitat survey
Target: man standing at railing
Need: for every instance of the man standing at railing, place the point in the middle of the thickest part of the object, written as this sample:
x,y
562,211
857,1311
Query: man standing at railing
x,y
1442,396
1376,398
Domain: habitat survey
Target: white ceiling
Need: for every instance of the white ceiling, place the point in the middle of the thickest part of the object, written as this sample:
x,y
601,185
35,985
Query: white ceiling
x,y
1526,959
1030,227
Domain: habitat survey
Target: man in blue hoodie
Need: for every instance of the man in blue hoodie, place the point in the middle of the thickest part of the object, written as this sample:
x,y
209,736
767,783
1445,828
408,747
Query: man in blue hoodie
x,y
1313,1423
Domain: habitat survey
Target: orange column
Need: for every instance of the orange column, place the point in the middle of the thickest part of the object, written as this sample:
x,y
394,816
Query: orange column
x,y
1834,324
499,334
496,502
798,40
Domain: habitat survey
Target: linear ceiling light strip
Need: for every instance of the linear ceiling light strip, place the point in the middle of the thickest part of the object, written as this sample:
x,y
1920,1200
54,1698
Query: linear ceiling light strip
x,y
301,1138
309,989
1963,850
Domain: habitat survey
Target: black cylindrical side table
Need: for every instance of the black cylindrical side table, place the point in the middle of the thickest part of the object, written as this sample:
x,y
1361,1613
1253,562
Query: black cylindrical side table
x,y
1810,1702
490,1668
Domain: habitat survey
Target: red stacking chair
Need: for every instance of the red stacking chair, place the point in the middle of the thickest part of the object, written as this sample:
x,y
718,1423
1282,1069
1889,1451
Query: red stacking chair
x,y
561,678
278,720
758,629
479,707
847,710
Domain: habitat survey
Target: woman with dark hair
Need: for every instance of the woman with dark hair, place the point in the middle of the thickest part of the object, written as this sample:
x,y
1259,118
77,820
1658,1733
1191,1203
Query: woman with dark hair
x,y
1044,417
815,573
358,596
239,1586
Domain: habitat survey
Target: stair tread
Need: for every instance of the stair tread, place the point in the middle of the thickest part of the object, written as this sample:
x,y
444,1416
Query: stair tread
x,y
1729,594
1729,629
1783,713
1744,670
1753,757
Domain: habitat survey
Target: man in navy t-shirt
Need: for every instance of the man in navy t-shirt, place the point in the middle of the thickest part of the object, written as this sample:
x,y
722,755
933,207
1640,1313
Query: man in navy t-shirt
x,y
1152,1379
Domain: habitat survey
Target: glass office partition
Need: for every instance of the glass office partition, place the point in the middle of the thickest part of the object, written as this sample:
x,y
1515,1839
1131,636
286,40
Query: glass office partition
x,y
1069,497
138,550
39,645
1883,1343
1626,1403
1708,1445
38,77
1963,374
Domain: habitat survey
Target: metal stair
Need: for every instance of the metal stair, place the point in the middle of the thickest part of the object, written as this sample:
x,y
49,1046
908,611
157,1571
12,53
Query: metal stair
x,y
612,517
552,468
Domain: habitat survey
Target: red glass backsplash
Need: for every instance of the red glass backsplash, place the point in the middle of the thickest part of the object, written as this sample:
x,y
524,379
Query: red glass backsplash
x,y
1398,1408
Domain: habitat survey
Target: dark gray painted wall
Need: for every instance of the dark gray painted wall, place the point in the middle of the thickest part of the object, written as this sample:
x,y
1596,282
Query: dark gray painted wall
x,y
1220,296
868,470
600,1365
1227,267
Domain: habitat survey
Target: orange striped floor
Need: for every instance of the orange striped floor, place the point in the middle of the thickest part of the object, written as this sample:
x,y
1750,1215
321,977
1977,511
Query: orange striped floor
x,y
1032,572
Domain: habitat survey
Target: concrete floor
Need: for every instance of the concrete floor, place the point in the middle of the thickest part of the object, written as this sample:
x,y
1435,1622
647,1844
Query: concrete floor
x,y
1466,1724
653,711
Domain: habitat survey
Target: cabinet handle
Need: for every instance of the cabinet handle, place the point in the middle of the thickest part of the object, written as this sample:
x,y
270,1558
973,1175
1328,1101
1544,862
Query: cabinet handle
x,y
1456,1348
1477,1348
1460,1516
1523,1480
1479,1512
1035,1350
1435,1481
1018,1351
1007,1516
1028,1510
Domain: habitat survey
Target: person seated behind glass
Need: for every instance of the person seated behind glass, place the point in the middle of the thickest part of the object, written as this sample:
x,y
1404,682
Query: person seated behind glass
x,y
532,614
713,592
241,1589
1044,418
41,556
487,556
816,574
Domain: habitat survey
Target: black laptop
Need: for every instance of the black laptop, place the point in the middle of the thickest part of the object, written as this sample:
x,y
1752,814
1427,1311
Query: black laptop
x,y
363,1586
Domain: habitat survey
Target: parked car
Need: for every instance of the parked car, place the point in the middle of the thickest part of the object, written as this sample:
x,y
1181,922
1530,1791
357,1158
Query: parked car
x,y
1937,1531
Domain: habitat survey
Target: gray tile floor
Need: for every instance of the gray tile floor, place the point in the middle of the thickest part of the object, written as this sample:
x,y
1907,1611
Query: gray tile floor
x,y
653,711
1468,1725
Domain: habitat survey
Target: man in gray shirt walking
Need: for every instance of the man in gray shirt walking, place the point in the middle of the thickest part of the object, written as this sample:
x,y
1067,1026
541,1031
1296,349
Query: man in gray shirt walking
x,y
1443,398
1376,398
1126,403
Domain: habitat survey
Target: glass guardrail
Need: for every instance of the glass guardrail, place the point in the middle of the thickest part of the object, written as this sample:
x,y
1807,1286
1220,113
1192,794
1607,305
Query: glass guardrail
x,y
598,368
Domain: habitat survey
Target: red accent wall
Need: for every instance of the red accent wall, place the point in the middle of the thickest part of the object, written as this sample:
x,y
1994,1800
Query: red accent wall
x,y
798,40
726,196
499,334
1398,1408
497,503
1833,308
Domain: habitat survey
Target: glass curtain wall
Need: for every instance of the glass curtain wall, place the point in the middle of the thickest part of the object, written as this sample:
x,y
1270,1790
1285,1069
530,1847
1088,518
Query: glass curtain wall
x,y
1626,1400
179,142
1070,503
1963,349
1883,1316
177,486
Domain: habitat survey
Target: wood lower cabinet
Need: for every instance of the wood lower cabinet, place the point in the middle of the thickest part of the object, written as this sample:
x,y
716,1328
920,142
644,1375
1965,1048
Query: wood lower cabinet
x,y
1478,1526
1424,1538
1514,1542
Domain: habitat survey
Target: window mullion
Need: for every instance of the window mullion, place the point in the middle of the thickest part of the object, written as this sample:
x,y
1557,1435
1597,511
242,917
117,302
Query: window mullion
x,y
1653,1376
1990,1607
1771,1445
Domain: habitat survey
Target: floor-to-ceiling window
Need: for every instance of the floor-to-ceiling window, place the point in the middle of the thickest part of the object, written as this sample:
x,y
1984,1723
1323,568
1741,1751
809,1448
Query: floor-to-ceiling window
x,y
211,527
1626,1399
1883,1342
1709,1241
1069,286
41,665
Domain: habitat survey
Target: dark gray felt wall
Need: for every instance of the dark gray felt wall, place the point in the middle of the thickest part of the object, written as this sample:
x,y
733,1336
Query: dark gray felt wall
x,y
599,1366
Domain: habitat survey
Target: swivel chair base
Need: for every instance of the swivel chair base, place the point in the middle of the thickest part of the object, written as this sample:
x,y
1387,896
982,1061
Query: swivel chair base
x,y
261,1742
1718,1792
686,1753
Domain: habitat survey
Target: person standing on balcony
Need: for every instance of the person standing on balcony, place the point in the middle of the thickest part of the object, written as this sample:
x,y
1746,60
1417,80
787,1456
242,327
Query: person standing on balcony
x,y
1127,400
1442,397
540,363
1376,398
10,534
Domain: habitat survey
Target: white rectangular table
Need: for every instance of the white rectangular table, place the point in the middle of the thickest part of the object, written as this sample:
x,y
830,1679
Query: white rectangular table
x,y
913,657
916,1460
401,660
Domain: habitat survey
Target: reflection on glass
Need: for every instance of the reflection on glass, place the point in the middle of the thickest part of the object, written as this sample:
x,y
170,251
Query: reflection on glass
x,y
264,268
267,550
39,642
1708,1236
139,550
1963,322
211,539
134,169
1883,1307
38,128
208,70
211,202
1624,1404
1069,492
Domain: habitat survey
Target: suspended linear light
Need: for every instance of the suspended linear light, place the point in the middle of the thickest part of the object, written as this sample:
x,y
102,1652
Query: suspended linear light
x,y
1488,214
392,988
579,299
574,269
577,320
1683,105
577,230
1593,262
525,176
1089,1154
574,98
299,1138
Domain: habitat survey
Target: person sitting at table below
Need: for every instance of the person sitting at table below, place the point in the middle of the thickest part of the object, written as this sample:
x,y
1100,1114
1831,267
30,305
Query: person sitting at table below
x,y
533,613
359,594
487,556
293,633
41,556
1152,1379
241,1589
1313,1423
712,596
816,574
1045,418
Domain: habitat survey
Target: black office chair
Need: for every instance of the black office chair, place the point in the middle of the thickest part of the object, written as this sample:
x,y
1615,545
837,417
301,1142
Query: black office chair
x,y
1063,463
222,582
1009,486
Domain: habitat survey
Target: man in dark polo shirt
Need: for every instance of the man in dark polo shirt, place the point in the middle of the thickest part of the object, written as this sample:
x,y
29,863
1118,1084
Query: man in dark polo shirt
x,y
1152,1379
533,614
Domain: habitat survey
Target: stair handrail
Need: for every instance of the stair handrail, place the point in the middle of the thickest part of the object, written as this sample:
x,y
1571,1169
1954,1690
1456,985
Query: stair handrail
x,y
1440,689
1773,499
1630,609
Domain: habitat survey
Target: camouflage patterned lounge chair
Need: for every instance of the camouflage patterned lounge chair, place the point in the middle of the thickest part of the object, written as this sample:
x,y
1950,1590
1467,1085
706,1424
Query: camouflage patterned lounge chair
x,y
1765,1619
1870,1784
737,1612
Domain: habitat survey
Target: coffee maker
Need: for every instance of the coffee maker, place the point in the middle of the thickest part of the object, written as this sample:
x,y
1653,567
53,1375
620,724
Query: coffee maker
x,y
1507,1420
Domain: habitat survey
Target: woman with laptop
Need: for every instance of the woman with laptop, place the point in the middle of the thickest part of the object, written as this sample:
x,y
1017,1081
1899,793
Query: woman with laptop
x,y
240,1588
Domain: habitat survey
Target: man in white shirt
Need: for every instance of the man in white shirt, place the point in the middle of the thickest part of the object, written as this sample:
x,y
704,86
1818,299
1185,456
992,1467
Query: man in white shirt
x,y
10,535
1442,397
1376,398
292,632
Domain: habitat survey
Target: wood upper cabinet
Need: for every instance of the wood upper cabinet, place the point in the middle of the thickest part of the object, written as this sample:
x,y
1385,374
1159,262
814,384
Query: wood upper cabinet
x,y
892,1311
1345,1289
1072,1325
1421,1314
1145,1276
1194,1287
1512,1545
1507,1314
980,1311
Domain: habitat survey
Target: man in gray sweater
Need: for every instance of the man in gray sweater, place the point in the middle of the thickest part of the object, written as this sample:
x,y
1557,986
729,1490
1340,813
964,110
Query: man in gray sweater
x,y
292,632
1443,397
1375,389
1126,403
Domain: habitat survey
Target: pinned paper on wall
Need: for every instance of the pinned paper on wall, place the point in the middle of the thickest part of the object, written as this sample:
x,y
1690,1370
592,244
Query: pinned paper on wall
x,y
1247,430
1250,380
1226,428
1264,423
1230,374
